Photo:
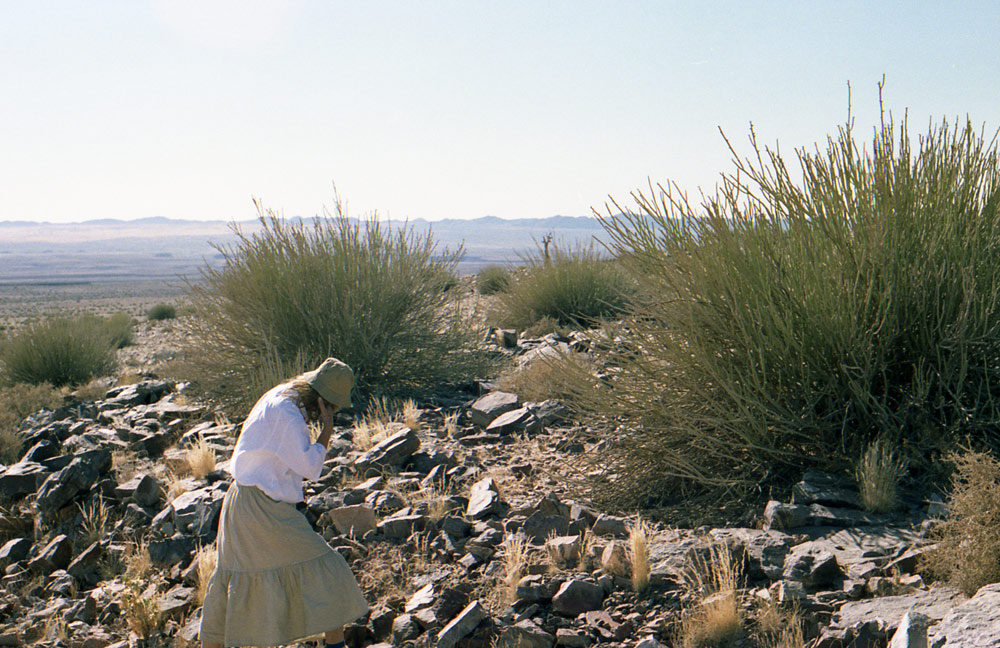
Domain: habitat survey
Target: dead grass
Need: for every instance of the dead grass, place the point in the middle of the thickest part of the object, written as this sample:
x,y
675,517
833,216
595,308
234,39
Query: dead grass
x,y
638,554
201,458
878,473
141,610
713,580
514,560
94,521
208,559
777,627
138,564
967,554
124,463
411,415
451,424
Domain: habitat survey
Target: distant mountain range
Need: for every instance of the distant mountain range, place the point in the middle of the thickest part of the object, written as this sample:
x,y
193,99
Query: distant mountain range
x,y
109,250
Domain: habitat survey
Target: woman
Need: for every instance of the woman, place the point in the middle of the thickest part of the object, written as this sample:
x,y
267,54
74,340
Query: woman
x,y
277,580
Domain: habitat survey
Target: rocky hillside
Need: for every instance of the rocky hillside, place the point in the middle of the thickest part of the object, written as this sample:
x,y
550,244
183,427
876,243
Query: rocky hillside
x,y
459,526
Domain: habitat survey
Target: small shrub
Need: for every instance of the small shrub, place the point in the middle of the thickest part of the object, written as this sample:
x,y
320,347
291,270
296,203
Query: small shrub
x,y
967,554
59,351
161,312
367,292
878,473
638,555
492,279
573,287
17,402
119,329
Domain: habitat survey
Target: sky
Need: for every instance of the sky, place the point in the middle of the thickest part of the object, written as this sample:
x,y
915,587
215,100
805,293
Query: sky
x,y
190,109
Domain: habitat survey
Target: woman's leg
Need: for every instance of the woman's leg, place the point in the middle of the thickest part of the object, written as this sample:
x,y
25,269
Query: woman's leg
x,y
335,636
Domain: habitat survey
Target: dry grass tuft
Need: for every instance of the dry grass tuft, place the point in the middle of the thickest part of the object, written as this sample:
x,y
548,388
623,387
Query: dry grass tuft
x,y
411,415
94,523
878,473
514,557
778,627
201,458
714,581
141,610
123,464
967,554
638,554
451,424
138,564
208,559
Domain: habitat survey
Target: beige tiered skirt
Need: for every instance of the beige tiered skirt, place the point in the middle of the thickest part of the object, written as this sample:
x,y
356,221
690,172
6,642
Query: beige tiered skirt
x,y
277,580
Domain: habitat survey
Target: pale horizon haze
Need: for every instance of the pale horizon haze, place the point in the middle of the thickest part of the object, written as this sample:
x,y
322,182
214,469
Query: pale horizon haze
x,y
449,109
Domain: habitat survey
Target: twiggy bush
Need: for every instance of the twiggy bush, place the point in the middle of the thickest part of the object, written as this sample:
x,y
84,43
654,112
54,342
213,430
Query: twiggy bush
x,y
573,287
967,554
878,473
16,403
492,279
364,291
788,323
59,351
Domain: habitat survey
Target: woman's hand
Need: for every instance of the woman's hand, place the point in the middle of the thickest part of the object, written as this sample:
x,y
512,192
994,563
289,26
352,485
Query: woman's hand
x,y
326,422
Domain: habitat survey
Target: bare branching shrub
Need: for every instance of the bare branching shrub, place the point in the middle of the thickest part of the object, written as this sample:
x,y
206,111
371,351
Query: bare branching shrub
x,y
713,580
753,353
878,473
967,554
638,554
201,458
368,292
514,559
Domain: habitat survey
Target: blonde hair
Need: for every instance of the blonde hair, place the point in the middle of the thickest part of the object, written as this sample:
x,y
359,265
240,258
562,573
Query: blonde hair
x,y
308,397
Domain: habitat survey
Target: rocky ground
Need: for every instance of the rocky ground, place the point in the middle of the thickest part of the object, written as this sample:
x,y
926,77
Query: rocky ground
x,y
457,522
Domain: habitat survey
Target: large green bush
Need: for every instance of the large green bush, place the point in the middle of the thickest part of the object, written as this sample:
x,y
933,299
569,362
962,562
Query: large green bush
x,y
570,287
366,292
60,351
790,322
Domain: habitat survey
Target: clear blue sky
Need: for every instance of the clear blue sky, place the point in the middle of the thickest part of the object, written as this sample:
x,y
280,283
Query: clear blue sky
x,y
435,109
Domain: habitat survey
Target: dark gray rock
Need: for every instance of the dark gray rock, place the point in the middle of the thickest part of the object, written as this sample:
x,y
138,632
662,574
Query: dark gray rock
x,y
82,472
526,634
85,567
486,408
811,565
174,603
974,623
392,452
405,628
170,551
142,393
463,624
143,489
576,596
15,550
610,525
44,449
55,555
515,421
539,526
197,511
536,588
765,550
549,412
778,515
825,488
22,478
877,619
401,526
484,499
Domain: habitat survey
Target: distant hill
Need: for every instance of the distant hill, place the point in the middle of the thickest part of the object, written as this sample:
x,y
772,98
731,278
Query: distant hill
x,y
110,250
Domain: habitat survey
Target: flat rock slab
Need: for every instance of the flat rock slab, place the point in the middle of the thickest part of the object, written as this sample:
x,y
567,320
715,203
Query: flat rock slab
x,y
461,625
888,611
486,408
973,624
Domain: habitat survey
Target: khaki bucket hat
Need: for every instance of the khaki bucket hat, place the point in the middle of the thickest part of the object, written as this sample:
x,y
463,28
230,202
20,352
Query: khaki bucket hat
x,y
333,381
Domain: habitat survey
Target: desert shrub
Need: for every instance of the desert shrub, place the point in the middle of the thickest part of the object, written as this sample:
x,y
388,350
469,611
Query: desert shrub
x,y
786,324
967,553
573,287
492,279
363,291
161,312
59,351
16,403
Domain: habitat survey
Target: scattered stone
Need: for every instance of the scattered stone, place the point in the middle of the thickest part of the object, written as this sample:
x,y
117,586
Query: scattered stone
x,y
576,596
825,488
15,550
354,520
144,490
488,407
484,499
22,478
811,565
778,515
461,625
55,555
526,634
392,452
514,421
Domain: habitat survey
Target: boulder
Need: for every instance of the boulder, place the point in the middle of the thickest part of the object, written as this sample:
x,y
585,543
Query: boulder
x,y
392,452
55,555
86,566
15,550
576,596
463,624
778,515
526,634
811,565
539,526
974,623
82,472
22,478
515,421
352,520
912,631
484,499
876,619
486,408
765,550
144,490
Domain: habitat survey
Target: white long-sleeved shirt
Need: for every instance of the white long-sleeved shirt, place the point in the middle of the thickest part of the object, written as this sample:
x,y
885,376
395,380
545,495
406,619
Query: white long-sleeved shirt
x,y
273,452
